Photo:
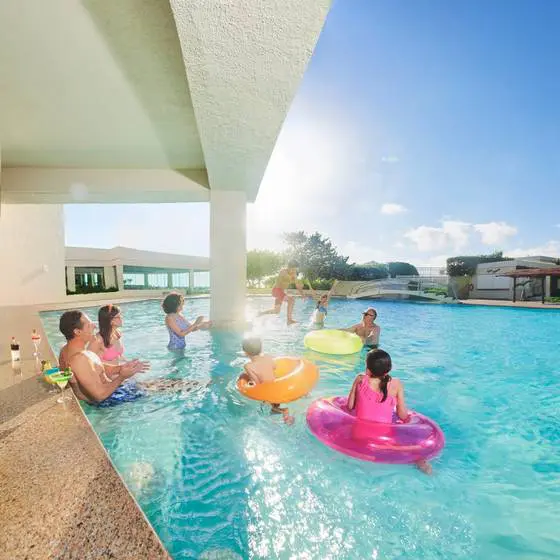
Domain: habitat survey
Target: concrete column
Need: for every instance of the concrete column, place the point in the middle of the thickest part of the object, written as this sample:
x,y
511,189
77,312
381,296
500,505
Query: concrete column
x,y
109,277
191,280
170,280
32,254
146,286
119,278
71,278
228,256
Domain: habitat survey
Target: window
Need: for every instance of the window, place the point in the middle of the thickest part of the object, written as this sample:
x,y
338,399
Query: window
x,y
89,277
157,280
180,279
201,279
133,281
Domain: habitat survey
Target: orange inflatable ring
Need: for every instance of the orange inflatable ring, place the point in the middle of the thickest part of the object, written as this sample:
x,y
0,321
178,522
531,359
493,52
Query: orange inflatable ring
x,y
295,377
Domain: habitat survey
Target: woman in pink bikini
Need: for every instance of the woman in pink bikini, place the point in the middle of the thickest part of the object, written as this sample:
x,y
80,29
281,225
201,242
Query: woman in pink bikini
x,y
375,395
108,344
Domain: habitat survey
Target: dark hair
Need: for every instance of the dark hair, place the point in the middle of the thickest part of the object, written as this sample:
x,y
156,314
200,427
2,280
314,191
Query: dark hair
x,y
105,315
69,321
371,309
378,363
292,264
321,299
172,302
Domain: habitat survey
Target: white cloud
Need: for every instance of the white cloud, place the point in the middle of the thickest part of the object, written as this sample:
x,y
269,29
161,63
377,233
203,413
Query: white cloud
x,y
495,233
549,249
455,235
360,253
391,208
390,159
451,235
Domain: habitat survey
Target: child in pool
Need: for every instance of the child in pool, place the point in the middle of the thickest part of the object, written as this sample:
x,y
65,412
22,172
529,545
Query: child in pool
x,y
375,395
177,326
260,369
321,310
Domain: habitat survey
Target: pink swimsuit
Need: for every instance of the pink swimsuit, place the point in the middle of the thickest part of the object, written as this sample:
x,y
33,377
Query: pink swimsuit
x,y
112,353
369,406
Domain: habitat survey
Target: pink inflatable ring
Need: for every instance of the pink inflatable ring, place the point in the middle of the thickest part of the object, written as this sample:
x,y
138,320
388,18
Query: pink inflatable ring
x,y
401,442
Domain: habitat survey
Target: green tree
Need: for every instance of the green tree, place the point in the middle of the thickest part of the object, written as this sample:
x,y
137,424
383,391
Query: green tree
x,y
368,271
261,264
401,269
465,265
317,257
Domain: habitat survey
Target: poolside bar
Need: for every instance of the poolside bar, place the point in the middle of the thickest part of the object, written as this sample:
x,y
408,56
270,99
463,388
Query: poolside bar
x,y
553,273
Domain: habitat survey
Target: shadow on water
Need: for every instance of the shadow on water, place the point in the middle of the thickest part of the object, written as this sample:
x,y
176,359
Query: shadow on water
x,y
207,503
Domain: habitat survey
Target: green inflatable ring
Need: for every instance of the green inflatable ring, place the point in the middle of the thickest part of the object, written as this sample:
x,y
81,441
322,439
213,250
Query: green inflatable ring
x,y
331,341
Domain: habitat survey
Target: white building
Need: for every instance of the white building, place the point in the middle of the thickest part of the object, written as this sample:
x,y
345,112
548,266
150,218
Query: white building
x,y
489,284
123,269
141,101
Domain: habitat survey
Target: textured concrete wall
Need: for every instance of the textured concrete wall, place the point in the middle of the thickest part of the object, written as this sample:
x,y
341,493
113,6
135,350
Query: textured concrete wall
x,y
32,254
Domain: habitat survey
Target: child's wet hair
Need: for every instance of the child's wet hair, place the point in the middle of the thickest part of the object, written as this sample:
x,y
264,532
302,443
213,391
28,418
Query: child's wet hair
x,y
252,345
378,363
172,302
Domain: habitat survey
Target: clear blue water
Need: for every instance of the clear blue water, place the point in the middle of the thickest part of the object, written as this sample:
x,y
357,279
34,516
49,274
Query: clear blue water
x,y
215,472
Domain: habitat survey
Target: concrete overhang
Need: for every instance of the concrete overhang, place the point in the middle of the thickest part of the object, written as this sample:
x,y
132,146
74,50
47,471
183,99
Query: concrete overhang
x,y
175,97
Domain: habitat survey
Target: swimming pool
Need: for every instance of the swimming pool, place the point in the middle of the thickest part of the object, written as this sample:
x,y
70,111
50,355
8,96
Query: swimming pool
x,y
215,472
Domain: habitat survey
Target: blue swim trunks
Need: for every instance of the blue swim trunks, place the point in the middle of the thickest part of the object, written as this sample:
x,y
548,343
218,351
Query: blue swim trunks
x,y
127,392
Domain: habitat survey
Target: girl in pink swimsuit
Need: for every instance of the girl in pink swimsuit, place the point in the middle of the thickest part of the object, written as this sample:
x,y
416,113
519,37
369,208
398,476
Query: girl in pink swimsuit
x,y
108,345
376,396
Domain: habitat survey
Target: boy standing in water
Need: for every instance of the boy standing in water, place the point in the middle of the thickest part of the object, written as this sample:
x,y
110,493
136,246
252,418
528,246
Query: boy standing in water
x,y
260,369
285,277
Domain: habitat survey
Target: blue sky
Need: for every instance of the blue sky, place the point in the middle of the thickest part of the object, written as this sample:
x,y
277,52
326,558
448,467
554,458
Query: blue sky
x,y
422,129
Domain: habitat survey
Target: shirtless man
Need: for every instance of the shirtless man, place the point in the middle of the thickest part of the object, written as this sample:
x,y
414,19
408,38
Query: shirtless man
x,y
367,330
285,277
260,369
94,381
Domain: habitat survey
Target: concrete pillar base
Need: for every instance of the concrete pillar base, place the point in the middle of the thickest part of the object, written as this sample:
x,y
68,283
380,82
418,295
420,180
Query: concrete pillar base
x,y
228,257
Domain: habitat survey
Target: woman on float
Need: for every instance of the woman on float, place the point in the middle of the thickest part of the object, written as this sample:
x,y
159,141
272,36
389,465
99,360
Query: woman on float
x,y
321,310
108,342
375,395
177,326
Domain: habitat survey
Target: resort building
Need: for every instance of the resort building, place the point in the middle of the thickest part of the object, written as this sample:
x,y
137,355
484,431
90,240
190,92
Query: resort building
x,y
506,280
122,269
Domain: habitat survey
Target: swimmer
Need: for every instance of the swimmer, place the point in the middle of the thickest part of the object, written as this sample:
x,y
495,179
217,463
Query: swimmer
x,y
108,341
321,310
375,395
176,323
260,369
104,384
285,277
367,330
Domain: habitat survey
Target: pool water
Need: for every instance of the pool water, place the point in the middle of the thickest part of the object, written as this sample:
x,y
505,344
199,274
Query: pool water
x,y
219,477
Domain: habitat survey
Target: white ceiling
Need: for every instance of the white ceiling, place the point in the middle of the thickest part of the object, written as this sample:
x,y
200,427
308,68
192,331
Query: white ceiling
x,y
200,86
92,84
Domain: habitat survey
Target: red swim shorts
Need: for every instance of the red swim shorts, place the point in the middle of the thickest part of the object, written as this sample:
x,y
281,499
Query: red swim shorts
x,y
278,294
